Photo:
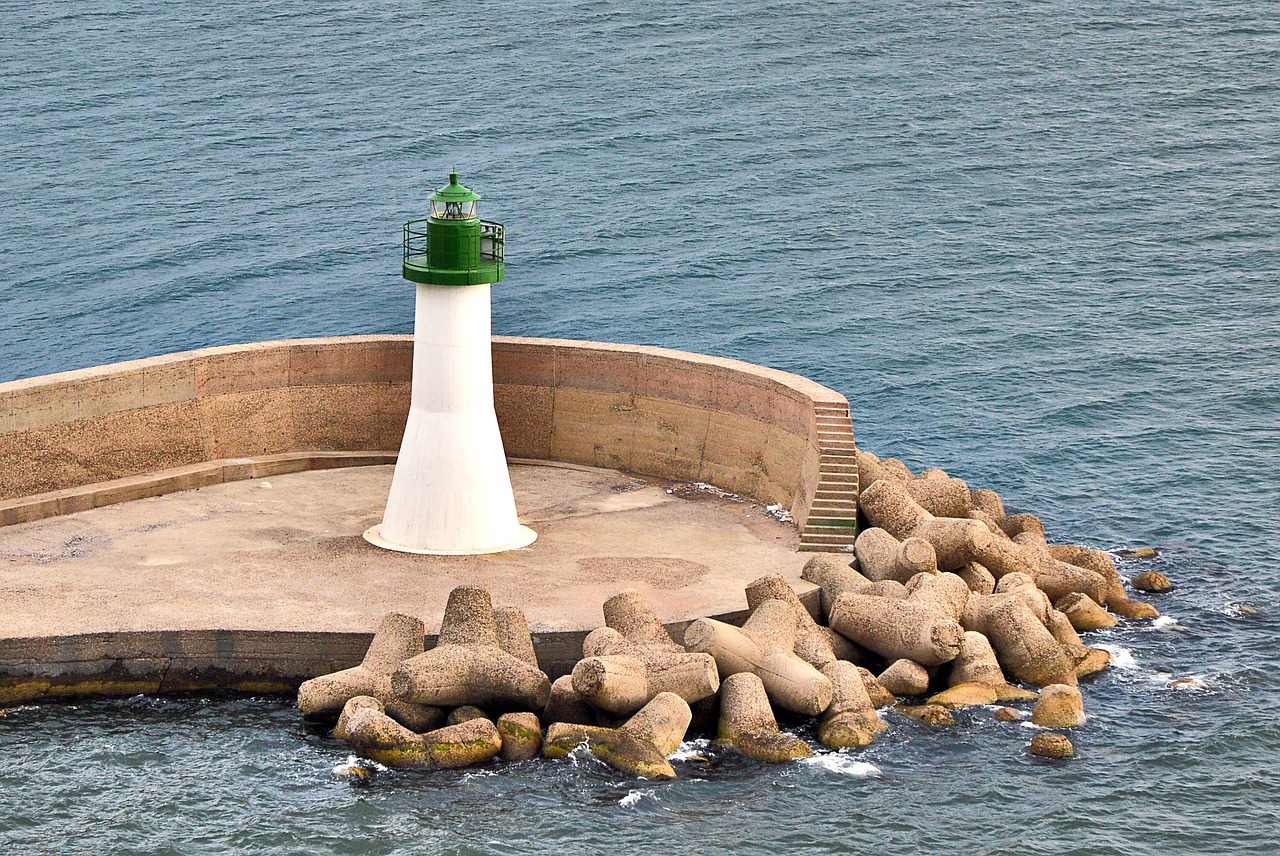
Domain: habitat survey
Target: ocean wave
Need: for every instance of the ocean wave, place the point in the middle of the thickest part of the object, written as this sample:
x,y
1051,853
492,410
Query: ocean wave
x,y
845,765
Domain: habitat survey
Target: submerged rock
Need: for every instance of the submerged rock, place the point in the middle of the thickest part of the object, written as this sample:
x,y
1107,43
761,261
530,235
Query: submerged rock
x,y
929,714
1152,581
1008,714
1050,745
1060,706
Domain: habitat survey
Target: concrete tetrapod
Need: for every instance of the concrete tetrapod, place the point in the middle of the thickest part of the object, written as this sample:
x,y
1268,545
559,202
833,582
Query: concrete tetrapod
x,y
977,578
1117,600
836,577
1023,645
976,663
639,748
897,629
815,644
764,646
619,677
883,557
851,719
937,493
1083,613
748,725
468,664
905,678
1028,553
945,594
375,735
956,541
397,638
565,705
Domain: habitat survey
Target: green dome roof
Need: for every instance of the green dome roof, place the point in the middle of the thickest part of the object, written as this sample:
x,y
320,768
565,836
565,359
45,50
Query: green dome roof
x,y
454,192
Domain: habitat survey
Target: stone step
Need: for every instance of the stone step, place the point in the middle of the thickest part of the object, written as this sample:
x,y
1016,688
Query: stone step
x,y
820,548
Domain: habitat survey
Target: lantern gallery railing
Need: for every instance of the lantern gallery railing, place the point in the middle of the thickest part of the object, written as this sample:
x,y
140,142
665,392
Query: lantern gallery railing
x,y
417,243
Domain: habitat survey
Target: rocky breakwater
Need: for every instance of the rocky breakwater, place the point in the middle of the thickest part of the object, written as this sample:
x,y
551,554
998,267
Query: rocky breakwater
x,y
947,603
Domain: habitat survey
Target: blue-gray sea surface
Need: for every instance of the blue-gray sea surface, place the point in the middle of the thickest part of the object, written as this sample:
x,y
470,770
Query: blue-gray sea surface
x,y
1035,243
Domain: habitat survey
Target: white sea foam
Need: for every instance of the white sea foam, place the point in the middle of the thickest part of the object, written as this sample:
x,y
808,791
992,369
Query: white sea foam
x,y
1164,621
845,765
356,768
690,750
634,797
1120,657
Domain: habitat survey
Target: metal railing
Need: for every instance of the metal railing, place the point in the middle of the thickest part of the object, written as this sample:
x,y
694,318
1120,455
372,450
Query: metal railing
x,y
417,243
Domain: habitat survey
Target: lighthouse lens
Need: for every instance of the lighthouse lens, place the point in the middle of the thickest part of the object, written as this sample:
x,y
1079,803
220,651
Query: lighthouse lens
x,y
450,210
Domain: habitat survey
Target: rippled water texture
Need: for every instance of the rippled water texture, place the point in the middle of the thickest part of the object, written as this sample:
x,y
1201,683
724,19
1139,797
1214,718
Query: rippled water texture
x,y
1034,243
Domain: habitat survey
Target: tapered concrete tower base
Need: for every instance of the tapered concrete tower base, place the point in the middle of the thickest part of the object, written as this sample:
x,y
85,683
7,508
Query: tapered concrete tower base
x,y
451,494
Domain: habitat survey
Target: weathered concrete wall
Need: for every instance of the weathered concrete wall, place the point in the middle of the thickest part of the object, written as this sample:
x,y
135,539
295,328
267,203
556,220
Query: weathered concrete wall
x,y
258,661
108,434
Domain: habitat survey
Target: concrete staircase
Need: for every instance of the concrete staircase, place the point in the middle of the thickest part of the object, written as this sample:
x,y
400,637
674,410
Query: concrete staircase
x,y
833,519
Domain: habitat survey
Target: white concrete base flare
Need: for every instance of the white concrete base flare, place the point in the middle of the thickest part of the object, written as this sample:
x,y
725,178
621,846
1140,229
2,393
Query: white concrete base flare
x,y
451,493
374,536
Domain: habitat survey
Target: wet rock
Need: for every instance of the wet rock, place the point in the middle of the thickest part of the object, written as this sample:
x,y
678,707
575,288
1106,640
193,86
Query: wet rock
x,y
1025,648
1008,714
1009,692
851,719
965,695
1132,609
1094,661
356,703
748,725
521,735
1060,706
1029,554
1152,581
638,748
1050,745
1140,553
929,714
375,735
1186,684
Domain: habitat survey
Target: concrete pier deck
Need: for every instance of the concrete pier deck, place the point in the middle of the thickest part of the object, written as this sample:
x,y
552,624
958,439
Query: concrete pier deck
x,y
261,583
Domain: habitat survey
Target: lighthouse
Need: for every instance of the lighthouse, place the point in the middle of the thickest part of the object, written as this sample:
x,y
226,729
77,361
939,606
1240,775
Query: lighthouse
x,y
451,494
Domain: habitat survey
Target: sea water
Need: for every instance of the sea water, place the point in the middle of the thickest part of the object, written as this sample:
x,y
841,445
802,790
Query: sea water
x,y
1036,244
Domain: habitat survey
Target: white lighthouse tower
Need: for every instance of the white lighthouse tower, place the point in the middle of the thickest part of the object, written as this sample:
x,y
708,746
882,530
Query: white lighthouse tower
x,y
451,494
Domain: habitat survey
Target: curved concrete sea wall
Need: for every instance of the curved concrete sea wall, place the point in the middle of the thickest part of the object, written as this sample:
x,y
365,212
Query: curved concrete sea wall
x,y
92,437
83,439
